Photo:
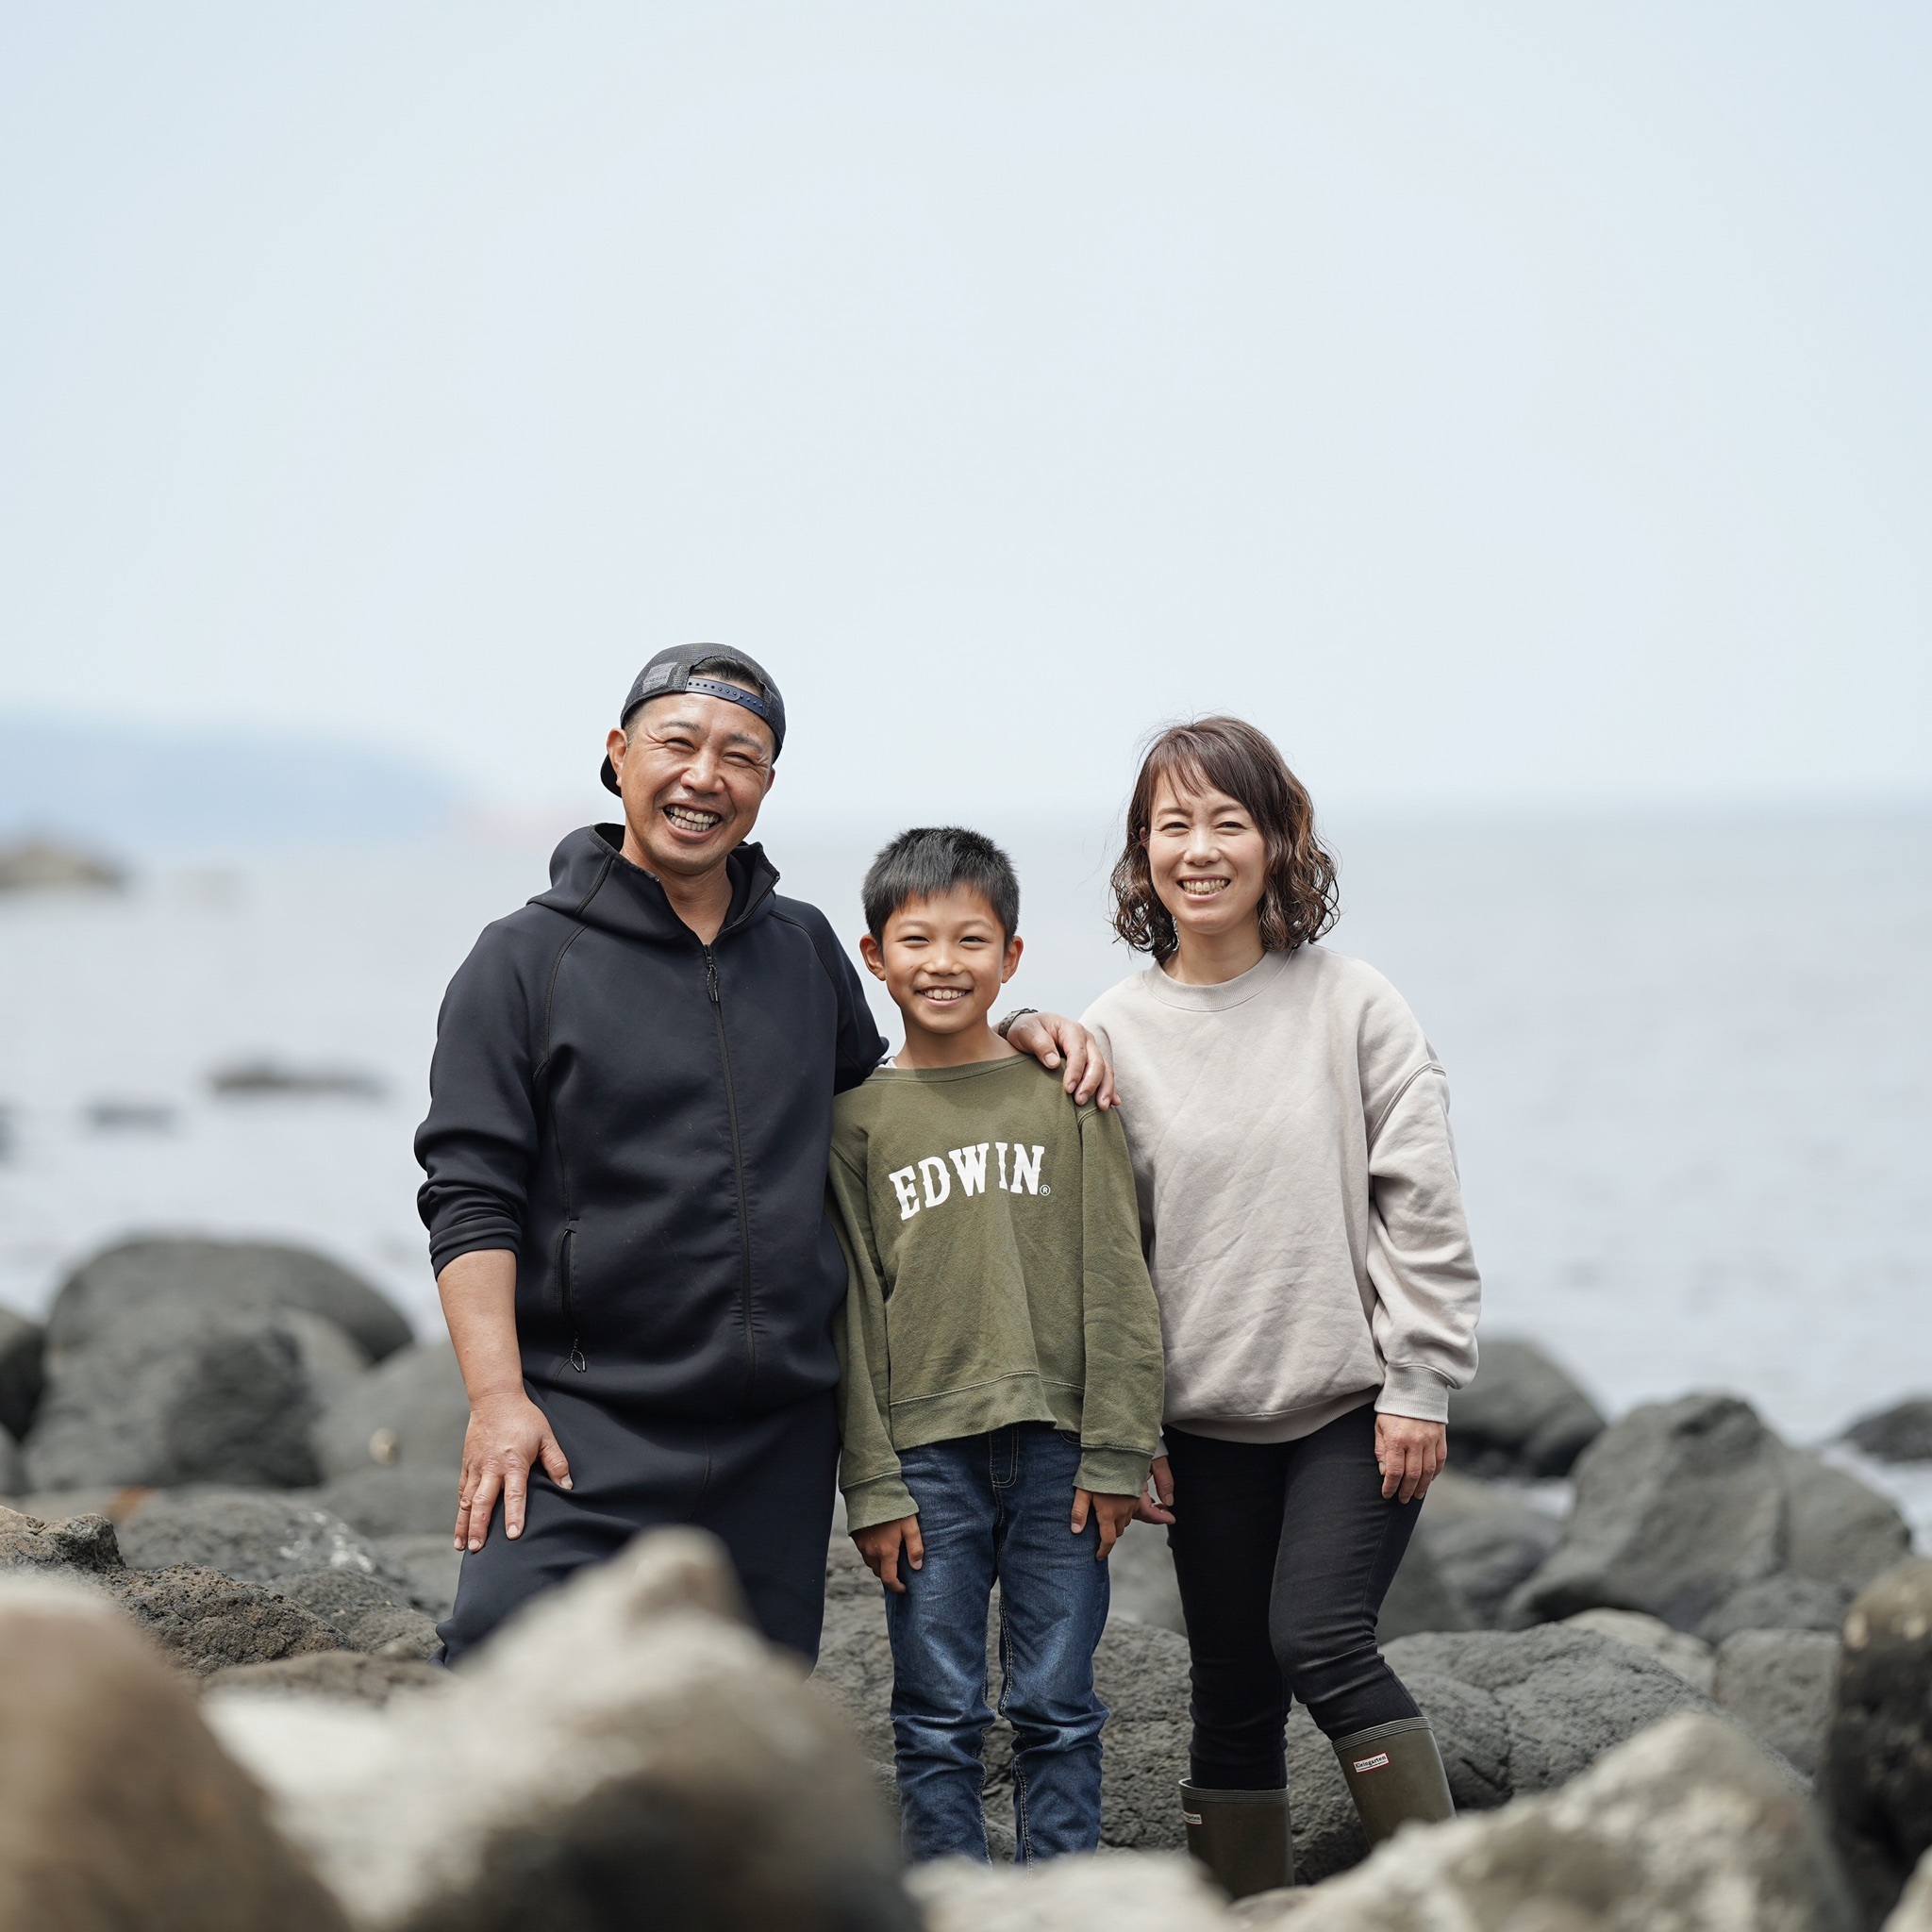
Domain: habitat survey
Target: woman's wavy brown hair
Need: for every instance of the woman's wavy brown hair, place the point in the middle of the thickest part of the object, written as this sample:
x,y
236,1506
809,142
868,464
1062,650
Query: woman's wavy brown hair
x,y
1299,901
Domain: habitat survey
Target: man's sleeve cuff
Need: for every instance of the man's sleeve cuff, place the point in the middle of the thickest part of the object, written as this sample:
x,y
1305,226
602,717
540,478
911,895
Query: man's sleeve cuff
x,y
1112,1472
1410,1390
884,1499
477,1242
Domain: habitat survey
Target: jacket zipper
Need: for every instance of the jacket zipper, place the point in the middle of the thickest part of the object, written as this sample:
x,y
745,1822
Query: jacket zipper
x,y
751,1347
567,1293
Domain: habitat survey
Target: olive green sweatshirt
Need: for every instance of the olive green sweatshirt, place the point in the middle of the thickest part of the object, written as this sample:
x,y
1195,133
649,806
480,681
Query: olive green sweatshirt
x,y
995,1275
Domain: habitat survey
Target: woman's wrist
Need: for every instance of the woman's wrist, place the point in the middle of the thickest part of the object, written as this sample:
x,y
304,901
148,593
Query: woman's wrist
x,y
1009,1020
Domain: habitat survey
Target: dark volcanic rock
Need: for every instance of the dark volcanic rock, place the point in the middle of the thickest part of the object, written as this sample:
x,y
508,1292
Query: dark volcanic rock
x,y
1783,1601
403,1500
1421,1597
253,1533
342,1673
1902,1433
23,1344
170,1393
1683,1506
1522,1415
364,1614
122,1814
431,1563
1778,1685
253,1276
1487,1538
410,1413
1876,1778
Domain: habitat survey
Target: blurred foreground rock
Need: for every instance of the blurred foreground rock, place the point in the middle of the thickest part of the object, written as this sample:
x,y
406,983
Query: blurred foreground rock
x,y
626,1752
1778,1684
1875,1779
121,1813
1521,1416
1166,1894
1686,1828
1683,1507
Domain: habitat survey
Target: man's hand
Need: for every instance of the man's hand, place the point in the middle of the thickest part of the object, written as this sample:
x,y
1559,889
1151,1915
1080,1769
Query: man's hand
x,y
1409,1453
508,1436
1112,1513
1051,1039
884,1544
1155,1504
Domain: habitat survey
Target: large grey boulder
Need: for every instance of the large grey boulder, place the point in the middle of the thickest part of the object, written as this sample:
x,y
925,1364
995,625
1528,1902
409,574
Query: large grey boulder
x,y
411,1412
170,1391
625,1752
1692,1657
1141,1579
122,1814
408,1499
1420,1597
1682,1506
1521,1416
255,1536
1688,1828
241,1276
1778,1685
1486,1538
432,1565
201,1620
1145,1894
1876,1778
23,1344
1902,1433
366,1615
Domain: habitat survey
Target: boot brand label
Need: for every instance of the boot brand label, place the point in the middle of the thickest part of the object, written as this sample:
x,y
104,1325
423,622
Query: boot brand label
x,y
1375,1763
1190,1818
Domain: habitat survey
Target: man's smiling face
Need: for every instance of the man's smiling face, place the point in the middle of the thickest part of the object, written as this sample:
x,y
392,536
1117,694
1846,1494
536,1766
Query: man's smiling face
x,y
693,771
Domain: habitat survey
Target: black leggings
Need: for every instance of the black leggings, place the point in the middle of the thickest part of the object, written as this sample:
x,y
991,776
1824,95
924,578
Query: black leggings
x,y
1284,1552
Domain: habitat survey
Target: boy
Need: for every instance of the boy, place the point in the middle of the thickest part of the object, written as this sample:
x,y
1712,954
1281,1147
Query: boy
x,y
1000,1356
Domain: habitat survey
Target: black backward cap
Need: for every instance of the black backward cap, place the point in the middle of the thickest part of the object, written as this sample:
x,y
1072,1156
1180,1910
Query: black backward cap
x,y
671,670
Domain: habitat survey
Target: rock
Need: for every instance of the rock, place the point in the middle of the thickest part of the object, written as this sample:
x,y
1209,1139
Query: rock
x,y
624,1751
364,1614
1778,1684
1902,1433
1689,1657
1521,1416
1161,1894
34,865
255,1535
1420,1597
122,1814
432,1565
1914,1910
1486,1538
339,1674
251,1277
1686,1828
12,1467
172,1393
406,1500
1783,1601
1874,1779
266,1079
23,1344
1141,1579
411,1412
1683,1506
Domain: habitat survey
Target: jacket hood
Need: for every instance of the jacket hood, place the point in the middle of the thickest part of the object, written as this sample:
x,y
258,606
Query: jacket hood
x,y
590,880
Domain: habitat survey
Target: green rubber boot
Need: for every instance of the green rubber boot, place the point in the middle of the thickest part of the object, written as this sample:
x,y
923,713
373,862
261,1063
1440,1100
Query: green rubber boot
x,y
1395,1773
1242,1837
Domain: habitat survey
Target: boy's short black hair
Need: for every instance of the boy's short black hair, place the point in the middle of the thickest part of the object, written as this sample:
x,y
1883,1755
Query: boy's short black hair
x,y
931,859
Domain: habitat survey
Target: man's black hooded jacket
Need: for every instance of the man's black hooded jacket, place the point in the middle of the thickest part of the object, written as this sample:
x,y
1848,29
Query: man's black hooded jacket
x,y
643,1120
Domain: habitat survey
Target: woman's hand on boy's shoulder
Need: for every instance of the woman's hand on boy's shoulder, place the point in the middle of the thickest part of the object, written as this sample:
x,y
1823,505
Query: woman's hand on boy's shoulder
x,y
1054,1039
885,1545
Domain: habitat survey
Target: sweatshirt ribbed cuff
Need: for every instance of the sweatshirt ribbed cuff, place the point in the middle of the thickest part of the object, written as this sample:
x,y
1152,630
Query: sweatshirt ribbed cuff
x,y
884,1499
1112,1472
1410,1390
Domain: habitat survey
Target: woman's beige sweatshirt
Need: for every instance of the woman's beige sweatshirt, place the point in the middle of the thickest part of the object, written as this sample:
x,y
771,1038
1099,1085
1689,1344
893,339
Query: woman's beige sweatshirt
x,y
1300,1209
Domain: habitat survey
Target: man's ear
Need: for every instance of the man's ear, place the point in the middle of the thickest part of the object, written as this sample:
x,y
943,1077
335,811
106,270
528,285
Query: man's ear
x,y
1015,946
868,952
615,745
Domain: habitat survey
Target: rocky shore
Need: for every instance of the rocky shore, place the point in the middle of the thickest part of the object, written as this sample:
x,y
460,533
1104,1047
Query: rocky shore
x,y
1681,1671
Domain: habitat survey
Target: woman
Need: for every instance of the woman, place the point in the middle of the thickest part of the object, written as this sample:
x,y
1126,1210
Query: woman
x,y
1288,1125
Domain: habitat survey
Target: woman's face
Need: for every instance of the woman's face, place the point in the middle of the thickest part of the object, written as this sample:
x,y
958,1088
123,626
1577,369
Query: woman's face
x,y
1207,860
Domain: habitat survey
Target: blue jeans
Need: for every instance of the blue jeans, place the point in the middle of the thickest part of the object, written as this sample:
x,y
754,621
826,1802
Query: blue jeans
x,y
997,1506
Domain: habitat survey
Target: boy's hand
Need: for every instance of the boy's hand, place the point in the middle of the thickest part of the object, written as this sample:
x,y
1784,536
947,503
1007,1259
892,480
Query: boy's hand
x,y
883,1545
1051,1038
1157,1507
1112,1513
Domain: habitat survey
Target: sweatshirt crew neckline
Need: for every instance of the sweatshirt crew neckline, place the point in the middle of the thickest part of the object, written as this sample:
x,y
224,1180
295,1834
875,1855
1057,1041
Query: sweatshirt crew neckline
x,y
972,1070
1221,996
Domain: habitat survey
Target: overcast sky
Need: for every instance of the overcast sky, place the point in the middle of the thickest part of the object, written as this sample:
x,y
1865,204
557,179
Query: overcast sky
x,y
1504,404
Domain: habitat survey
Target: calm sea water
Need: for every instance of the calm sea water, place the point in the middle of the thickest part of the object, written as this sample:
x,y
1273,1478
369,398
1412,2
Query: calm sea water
x,y
1691,1069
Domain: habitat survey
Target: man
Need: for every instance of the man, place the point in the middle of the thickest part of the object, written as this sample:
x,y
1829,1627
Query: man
x,y
630,1111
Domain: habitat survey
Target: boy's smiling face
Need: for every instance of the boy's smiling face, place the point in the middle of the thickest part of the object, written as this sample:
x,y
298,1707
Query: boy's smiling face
x,y
944,959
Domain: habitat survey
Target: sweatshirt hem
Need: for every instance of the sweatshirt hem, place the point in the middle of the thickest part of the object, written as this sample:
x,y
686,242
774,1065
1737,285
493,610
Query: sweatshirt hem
x,y
1283,1426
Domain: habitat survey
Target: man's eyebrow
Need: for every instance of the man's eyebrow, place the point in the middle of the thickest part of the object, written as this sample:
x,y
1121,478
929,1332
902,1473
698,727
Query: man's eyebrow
x,y
658,726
